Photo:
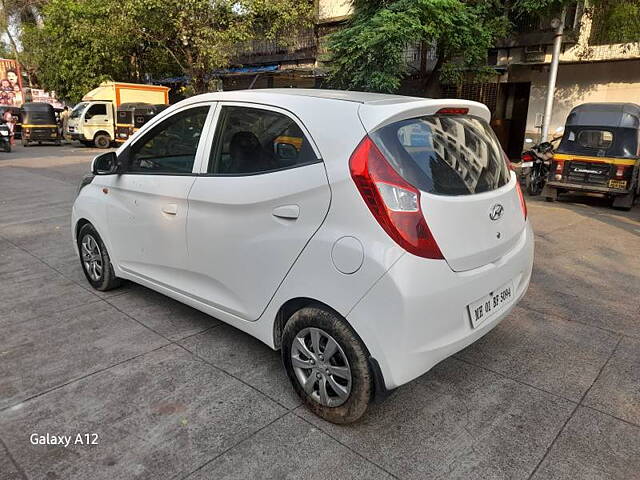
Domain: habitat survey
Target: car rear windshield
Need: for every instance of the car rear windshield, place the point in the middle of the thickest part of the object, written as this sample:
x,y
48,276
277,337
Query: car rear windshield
x,y
445,154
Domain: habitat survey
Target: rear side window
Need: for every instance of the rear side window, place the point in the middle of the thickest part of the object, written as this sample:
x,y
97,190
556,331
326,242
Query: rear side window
x,y
250,141
445,154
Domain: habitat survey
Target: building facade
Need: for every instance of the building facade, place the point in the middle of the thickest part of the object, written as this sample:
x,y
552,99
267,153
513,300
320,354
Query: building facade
x,y
590,70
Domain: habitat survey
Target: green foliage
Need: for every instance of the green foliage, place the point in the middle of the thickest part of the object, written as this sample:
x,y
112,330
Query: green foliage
x,y
84,42
616,21
79,46
369,53
540,6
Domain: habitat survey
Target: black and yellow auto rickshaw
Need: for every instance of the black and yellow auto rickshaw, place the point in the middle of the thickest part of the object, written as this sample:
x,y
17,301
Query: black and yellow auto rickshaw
x,y
39,124
599,153
132,116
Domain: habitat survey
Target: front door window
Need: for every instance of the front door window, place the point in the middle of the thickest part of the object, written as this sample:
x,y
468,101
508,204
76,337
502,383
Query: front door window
x,y
170,147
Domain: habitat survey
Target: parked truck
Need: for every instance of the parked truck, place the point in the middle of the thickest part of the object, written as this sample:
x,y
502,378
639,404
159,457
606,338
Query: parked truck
x,y
93,121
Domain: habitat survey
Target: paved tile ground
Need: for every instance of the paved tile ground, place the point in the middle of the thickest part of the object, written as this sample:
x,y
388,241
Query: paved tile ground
x,y
552,392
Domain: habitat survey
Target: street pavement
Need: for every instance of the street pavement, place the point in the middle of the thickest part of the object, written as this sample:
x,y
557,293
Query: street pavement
x,y
551,393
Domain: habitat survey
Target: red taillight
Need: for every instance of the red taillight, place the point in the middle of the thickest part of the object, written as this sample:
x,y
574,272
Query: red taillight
x,y
453,111
620,170
394,203
527,157
559,166
523,204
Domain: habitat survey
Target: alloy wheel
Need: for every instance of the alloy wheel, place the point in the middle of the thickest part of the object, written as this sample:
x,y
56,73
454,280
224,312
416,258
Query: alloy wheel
x,y
91,257
321,367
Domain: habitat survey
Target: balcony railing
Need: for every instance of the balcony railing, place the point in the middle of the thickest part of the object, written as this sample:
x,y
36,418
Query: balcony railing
x,y
537,30
302,45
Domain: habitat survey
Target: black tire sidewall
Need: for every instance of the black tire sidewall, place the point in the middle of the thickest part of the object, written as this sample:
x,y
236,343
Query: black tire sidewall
x,y
107,280
354,349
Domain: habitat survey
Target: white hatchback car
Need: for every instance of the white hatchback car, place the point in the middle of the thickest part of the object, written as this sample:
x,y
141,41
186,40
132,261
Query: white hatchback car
x,y
367,236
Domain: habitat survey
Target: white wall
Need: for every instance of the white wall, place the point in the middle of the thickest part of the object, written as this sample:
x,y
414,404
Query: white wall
x,y
332,9
617,81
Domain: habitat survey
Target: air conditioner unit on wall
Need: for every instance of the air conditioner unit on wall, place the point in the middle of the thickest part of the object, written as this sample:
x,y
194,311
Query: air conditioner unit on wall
x,y
535,53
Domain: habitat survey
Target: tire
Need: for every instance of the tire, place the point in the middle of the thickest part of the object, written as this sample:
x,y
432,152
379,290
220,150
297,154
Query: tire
x,y
7,147
356,381
623,202
25,142
102,140
89,242
534,184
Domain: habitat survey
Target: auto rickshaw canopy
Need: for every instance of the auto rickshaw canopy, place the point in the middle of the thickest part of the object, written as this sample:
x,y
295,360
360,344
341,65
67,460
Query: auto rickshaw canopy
x,y
38,114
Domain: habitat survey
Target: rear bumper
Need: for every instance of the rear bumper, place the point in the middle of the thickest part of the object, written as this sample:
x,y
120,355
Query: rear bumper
x,y
588,188
416,315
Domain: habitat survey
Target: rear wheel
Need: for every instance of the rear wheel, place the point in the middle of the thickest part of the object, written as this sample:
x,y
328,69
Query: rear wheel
x,y
102,140
624,202
327,364
534,184
95,260
25,142
7,147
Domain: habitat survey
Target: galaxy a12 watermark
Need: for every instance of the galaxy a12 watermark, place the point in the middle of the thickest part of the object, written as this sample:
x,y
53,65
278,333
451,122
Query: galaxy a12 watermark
x,y
64,440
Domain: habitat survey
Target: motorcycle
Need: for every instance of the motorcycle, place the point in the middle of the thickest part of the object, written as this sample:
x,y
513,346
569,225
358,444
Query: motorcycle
x,y
538,162
5,137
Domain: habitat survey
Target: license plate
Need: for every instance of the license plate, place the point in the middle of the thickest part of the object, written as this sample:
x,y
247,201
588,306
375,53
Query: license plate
x,y
487,306
526,164
617,184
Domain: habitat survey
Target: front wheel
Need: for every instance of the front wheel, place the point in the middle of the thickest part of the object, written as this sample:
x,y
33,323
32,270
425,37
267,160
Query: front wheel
x,y
95,260
327,364
7,147
102,141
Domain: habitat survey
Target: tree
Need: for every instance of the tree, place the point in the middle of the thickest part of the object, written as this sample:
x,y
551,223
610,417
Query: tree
x,y
80,44
368,54
616,21
95,40
13,15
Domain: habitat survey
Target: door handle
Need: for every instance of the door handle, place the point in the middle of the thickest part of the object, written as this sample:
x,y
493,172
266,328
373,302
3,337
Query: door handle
x,y
290,212
170,209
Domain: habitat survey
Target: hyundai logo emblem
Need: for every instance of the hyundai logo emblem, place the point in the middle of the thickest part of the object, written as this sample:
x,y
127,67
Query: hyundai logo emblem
x,y
496,212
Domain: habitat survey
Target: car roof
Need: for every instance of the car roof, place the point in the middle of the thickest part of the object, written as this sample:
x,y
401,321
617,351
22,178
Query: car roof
x,y
345,95
374,110
336,95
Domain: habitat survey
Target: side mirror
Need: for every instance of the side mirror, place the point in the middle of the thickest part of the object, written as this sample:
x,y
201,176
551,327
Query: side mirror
x,y
105,164
286,151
